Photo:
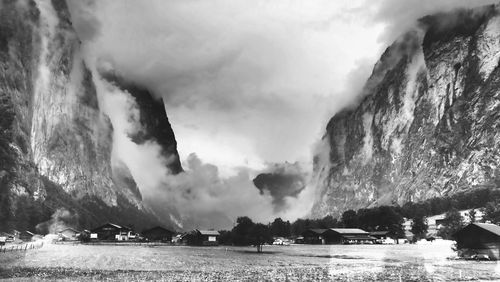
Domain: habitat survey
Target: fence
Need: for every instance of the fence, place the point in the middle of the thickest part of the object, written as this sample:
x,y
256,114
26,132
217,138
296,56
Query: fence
x,y
21,247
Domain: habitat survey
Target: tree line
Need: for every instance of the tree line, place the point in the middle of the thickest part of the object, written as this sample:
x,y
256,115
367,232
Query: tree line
x,y
382,218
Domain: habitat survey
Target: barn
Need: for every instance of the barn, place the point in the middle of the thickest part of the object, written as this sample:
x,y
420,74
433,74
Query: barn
x,y
158,233
314,236
337,236
203,238
478,240
111,232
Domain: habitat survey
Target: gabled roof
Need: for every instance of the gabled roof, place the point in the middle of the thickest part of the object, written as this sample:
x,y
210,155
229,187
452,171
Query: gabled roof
x,y
493,228
379,232
209,232
349,230
318,231
69,229
113,225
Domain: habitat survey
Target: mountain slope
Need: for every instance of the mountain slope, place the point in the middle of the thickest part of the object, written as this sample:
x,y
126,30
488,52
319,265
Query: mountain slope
x,y
429,125
55,141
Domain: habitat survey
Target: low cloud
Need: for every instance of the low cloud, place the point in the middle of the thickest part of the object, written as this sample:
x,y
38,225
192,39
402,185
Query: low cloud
x,y
281,181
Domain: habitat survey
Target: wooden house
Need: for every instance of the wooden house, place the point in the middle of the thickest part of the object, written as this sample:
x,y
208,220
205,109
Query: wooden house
x,y
26,236
158,233
203,238
112,232
478,240
68,234
337,236
314,236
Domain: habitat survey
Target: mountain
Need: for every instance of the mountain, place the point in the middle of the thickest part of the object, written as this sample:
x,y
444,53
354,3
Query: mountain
x,y
55,141
428,124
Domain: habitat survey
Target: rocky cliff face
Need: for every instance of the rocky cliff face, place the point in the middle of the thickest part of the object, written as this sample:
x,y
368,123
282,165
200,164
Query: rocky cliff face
x,y
52,130
429,123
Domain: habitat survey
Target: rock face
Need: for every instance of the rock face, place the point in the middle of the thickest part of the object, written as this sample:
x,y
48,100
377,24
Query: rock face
x,y
55,142
429,123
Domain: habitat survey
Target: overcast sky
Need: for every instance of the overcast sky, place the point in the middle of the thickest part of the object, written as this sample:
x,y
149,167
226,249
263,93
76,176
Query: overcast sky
x,y
250,82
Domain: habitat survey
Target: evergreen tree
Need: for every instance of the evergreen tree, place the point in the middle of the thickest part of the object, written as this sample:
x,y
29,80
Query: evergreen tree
x,y
452,223
419,228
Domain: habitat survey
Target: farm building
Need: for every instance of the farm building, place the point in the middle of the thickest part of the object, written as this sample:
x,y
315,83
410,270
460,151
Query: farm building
x,y
314,236
479,239
383,237
337,236
158,233
7,237
202,238
26,236
68,234
111,231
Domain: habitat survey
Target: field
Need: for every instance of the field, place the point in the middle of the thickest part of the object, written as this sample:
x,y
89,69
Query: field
x,y
424,262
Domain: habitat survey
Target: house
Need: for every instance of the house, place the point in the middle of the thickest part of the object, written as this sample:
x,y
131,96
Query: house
x,y
349,236
7,237
383,237
111,231
203,237
26,236
158,233
478,240
314,236
68,234
337,236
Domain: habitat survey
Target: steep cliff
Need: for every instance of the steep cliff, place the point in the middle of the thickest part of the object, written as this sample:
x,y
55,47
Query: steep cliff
x,y
429,123
55,141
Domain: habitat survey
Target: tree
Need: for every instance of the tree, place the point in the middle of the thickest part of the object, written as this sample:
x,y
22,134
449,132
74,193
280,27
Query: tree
x,y
260,234
419,227
452,223
241,232
492,212
280,228
350,219
472,215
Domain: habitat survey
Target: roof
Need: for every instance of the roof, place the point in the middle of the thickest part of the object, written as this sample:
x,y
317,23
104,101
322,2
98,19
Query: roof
x,y
379,232
69,229
209,232
349,231
493,228
317,230
113,225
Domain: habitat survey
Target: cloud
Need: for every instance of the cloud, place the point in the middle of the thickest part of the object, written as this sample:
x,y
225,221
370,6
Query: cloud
x,y
245,83
281,181
400,16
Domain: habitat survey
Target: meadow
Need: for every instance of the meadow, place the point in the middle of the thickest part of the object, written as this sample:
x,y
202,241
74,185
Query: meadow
x,y
421,262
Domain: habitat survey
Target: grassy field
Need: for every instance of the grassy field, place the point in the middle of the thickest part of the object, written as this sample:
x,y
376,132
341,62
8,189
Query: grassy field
x,y
426,262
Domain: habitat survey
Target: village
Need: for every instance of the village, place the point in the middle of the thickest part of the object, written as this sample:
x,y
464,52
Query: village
x,y
475,240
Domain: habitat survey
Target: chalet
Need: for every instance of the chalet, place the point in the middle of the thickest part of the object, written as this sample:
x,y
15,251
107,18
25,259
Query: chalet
x,y
158,233
478,240
349,236
7,237
314,236
383,237
111,231
26,236
203,238
68,234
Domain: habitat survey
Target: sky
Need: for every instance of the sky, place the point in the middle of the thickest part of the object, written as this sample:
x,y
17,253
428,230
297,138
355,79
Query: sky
x,y
247,85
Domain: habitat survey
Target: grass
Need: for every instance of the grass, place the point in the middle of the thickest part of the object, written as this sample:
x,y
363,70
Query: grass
x,y
279,263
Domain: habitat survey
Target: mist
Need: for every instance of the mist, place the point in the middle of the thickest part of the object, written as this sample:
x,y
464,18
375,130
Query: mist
x,y
245,84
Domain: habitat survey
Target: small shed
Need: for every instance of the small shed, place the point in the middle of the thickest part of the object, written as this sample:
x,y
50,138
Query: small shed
x,y
68,234
158,233
478,239
203,237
